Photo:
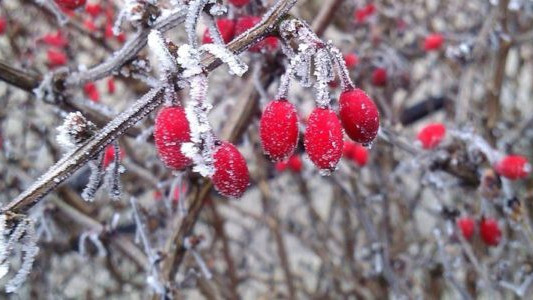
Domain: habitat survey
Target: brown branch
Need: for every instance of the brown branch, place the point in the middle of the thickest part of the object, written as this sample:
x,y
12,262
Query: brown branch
x,y
141,108
19,78
325,16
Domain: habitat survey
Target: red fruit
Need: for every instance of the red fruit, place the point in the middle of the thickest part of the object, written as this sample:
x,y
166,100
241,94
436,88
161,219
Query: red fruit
x,y
351,60
55,39
109,155
431,135
281,166
278,129
226,28
111,85
433,42
246,22
359,116
239,3
91,91
355,152
231,176
490,232
467,227
70,4
93,9
513,167
89,25
171,130
361,14
295,163
379,77
3,24
323,138
56,58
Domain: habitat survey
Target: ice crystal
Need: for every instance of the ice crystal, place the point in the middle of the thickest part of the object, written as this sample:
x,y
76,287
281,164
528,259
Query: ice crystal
x,y
74,131
158,46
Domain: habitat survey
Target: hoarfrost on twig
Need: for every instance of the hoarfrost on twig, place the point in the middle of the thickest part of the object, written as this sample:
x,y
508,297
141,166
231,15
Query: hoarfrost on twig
x,y
29,247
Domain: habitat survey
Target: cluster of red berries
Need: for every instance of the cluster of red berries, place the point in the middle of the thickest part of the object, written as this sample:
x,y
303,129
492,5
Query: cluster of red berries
x,y
172,130
362,14
323,138
355,152
70,4
489,230
230,28
512,166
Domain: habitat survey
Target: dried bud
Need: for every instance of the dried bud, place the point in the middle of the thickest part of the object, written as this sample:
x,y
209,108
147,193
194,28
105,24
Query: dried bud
x,y
75,130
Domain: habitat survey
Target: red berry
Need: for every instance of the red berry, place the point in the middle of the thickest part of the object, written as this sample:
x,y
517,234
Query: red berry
x,y
171,130
361,14
433,42
109,155
226,28
295,163
70,4
513,167
278,129
351,60
56,58
239,3
431,135
467,227
323,138
231,176
281,166
91,91
3,24
89,25
93,9
490,232
355,152
379,77
359,116
55,39
246,22
111,85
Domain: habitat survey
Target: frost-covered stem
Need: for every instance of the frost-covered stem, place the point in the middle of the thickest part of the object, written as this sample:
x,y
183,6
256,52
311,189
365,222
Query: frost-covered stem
x,y
52,6
344,74
214,33
285,81
77,158
96,168
30,250
126,53
193,13
116,189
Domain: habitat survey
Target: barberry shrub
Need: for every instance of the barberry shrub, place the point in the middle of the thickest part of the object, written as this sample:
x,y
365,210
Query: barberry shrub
x,y
168,149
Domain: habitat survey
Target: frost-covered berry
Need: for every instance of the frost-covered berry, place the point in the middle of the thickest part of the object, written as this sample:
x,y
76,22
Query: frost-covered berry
x,y
239,3
359,116
246,22
278,129
433,42
490,232
70,4
171,130
323,138
361,14
56,58
467,227
379,77
231,176
431,135
513,167
351,60
226,28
